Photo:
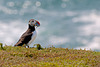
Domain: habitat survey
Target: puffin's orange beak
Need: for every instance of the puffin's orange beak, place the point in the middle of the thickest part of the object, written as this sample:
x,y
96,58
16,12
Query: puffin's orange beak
x,y
37,24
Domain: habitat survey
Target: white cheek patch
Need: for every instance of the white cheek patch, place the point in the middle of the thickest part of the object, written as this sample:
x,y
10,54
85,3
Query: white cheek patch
x,y
31,23
34,22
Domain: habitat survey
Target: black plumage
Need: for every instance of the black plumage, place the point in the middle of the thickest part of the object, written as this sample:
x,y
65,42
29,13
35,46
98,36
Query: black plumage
x,y
26,37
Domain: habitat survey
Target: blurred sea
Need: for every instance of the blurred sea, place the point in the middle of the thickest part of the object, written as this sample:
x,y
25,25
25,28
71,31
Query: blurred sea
x,y
64,23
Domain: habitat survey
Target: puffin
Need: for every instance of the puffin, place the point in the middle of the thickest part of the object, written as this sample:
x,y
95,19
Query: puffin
x,y
29,36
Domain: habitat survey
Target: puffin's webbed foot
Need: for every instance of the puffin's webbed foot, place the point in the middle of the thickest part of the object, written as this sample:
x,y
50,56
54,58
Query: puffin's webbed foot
x,y
26,45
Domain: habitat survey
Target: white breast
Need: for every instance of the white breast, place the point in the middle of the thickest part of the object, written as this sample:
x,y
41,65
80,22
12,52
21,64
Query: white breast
x,y
33,37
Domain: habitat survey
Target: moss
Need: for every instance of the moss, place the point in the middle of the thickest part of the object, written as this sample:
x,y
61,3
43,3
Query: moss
x,y
1,46
48,57
38,46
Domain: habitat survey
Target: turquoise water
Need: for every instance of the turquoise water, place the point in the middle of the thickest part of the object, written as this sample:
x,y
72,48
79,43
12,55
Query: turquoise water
x,y
64,23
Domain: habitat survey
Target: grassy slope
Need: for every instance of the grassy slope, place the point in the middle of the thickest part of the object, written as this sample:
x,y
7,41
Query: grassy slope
x,y
48,57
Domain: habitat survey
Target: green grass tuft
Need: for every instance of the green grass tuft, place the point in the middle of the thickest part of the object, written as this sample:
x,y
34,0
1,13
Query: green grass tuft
x,y
38,46
48,57
1,46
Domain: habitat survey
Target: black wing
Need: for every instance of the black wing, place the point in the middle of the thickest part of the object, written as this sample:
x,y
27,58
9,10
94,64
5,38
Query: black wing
x,y
25,38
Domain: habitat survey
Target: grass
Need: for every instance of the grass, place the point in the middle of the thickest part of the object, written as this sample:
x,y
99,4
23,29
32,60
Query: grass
x,y
47,57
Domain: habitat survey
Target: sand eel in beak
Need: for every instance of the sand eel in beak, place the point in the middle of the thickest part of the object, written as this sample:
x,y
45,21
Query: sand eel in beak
x,y
29,36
